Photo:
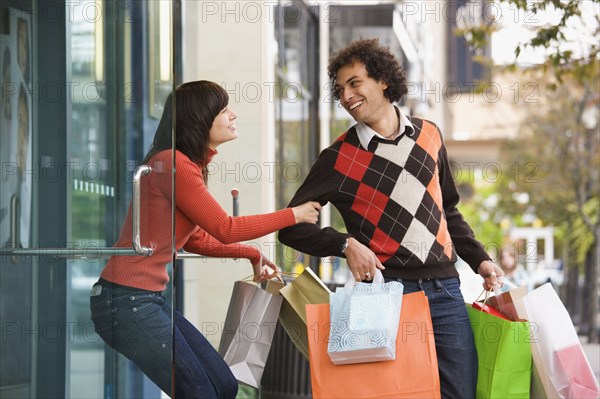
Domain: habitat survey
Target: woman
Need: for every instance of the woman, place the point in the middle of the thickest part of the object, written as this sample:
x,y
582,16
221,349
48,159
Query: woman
x,y
513,271
128,310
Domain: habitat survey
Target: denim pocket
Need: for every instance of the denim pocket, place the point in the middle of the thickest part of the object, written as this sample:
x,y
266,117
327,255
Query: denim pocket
x,y
142,301
103,317
451,287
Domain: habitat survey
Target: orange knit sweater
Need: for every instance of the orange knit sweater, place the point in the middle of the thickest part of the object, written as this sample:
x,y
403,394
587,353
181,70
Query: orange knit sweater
x,y
201,225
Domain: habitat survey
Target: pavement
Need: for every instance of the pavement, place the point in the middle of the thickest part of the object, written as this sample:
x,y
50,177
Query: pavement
x,y
592,352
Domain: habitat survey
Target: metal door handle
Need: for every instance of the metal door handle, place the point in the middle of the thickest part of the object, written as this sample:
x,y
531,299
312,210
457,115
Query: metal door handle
x,y
14,248
14,241
15,222
135,212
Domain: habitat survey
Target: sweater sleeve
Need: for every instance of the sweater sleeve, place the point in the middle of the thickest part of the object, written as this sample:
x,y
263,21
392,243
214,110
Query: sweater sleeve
x,y
463,238
203,243
200,207
311,238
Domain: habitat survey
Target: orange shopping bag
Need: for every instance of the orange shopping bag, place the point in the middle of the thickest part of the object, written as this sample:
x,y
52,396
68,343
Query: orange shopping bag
x,y
413,374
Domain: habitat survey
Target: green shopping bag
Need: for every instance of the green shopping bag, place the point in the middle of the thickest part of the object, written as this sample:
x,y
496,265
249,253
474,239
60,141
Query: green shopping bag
x,y
504,355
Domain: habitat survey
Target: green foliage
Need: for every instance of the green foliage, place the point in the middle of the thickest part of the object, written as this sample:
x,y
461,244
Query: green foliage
x,y
481,211
558,163
582,238
560,63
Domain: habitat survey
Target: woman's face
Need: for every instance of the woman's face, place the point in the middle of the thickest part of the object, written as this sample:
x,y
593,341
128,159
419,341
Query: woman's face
x,y
223,128
507,260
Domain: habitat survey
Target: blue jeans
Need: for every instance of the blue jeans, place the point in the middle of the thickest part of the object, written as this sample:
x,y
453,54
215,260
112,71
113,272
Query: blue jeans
x,y
138,324
454,344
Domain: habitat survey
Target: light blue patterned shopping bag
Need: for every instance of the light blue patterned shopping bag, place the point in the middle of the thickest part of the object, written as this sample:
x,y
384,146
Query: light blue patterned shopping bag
x,y
364,321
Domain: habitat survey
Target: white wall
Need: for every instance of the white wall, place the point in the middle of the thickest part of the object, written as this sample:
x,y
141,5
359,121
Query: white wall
x,y
436,42
231,43
423,33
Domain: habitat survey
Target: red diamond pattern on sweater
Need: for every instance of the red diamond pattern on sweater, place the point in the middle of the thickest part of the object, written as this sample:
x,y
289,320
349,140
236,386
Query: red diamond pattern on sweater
x,y
353,162
396,193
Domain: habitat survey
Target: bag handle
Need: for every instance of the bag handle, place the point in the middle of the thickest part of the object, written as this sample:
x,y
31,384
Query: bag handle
x,y
278,275
487,296
496,290
509,283
351,282
498,293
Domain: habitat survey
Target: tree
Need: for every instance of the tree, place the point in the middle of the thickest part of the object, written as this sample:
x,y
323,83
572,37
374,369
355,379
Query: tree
x,y
557,161
571,44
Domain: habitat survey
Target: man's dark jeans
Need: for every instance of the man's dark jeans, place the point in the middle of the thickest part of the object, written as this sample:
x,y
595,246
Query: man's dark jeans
x,y
454,344
138,324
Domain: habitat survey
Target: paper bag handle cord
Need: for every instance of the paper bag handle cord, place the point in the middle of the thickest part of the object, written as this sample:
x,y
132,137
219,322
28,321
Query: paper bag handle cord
x,y
250,278
284,273
277,274
487,296
288,274
496,290
487,293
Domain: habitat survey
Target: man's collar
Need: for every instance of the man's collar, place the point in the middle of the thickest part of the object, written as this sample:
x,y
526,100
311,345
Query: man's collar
x,y
365,133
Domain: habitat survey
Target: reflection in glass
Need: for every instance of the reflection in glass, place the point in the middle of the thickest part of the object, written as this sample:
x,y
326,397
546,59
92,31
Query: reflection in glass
x,y
295,107
90,191
161,55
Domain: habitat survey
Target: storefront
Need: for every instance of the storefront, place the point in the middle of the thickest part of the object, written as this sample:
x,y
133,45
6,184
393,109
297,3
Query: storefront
x,y
83,84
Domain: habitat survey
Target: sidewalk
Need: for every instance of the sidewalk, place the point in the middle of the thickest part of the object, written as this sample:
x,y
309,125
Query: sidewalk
x,y
592,351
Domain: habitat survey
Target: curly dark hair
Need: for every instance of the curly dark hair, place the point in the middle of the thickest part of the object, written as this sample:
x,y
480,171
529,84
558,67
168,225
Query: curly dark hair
x,y
379,61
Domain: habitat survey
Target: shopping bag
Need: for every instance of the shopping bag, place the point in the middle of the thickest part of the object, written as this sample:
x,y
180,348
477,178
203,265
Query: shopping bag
x,y
561,365
248,331
504,355
364,321
505,301
584,384
413,374
305,289
485,308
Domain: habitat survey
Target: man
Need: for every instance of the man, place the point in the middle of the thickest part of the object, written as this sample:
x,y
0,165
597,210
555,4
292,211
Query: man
x,y
390,178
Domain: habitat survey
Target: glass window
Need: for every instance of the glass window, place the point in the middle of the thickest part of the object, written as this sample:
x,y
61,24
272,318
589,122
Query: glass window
x,y
296,101
79,108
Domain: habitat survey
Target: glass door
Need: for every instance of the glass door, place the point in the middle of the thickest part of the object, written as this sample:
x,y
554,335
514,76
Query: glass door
x,y
83,86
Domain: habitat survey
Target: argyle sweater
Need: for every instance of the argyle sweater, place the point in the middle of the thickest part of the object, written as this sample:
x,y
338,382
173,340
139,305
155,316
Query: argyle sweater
x,y
201,225
396,197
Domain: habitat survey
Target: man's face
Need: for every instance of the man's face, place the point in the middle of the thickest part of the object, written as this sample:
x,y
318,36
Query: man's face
x,y
361,95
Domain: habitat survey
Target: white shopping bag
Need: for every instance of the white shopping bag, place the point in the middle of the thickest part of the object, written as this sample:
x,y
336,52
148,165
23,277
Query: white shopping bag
x,y
248,331
364,321
560,363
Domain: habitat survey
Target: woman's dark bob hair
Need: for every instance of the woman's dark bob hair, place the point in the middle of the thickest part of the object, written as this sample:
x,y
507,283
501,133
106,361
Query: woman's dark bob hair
x,y
196,105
